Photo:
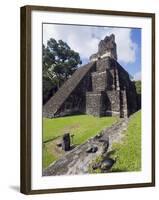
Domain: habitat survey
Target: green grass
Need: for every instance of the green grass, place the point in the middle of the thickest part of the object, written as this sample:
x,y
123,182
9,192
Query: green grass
x,y
47,157
128,152
82,126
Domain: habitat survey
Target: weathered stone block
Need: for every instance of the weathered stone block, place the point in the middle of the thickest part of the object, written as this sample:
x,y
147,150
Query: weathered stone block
x,y
66,142
95,103
99,81
114,99
103,64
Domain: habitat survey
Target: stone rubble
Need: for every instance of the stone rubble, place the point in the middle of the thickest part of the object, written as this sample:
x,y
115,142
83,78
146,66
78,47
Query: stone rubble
x,y
78,160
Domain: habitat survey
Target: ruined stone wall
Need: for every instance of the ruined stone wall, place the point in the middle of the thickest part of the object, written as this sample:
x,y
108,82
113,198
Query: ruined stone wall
x,y
104,100
104,91
76,102
99,81
108,45
94,103
123,104
106,48
108,66
116,91
114,103
129,86
103,64
132,100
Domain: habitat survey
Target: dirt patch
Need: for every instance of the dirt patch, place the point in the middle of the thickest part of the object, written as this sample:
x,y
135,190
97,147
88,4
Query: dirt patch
x,y
70,128
53,149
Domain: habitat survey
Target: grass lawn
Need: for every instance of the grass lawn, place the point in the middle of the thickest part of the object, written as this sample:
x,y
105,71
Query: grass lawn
x,y
82,126
128,152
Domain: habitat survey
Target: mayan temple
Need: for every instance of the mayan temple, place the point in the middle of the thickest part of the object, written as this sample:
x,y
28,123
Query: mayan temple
x,y
100,88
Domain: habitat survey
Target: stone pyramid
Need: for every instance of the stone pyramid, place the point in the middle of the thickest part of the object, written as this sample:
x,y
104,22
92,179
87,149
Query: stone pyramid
x,y
100,88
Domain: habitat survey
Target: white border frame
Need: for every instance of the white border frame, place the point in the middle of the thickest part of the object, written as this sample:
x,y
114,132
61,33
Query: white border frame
x,y
39,182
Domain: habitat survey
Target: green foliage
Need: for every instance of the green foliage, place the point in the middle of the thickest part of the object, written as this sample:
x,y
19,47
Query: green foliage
x,y
61,58
59,63
82,126
138,87
128,152
48,157
49,87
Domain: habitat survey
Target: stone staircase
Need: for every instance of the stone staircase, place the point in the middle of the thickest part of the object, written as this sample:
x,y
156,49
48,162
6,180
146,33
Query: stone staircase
x,y
55,102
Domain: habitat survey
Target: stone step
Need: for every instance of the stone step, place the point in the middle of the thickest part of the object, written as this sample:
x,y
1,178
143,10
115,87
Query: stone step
x,y
55,102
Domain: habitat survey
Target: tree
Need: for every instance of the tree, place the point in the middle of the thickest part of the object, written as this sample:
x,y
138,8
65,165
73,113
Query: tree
x,y
59,63
138,90
138,86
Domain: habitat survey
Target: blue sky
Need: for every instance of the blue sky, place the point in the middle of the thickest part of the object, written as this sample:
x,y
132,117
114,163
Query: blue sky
x,y
134,68
85,39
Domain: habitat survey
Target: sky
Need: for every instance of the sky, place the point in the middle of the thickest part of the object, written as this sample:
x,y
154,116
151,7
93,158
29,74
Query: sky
x,y
85,39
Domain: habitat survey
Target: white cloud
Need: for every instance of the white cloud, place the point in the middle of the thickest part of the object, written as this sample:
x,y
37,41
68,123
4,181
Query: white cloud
x,y
126,48
85,39
78,38
137,76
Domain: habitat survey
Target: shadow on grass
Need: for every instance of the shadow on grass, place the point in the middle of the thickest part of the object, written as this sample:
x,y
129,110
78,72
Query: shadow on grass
x,y
111,153
50,140
118,170
72,147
